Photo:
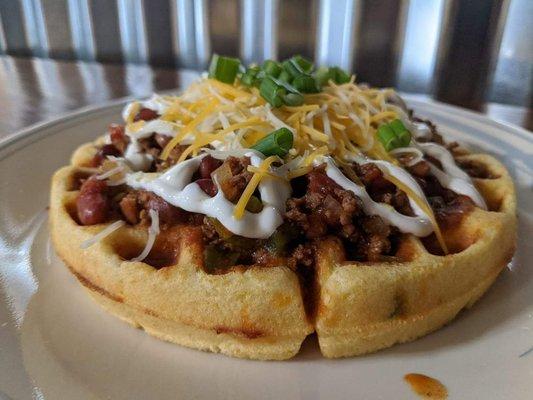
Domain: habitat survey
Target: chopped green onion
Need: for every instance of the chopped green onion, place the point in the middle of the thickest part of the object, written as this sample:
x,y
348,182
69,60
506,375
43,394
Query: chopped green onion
x,y
403,135
277,143
272,92
305,65
340,76
405,138
305,84
388,138
286,85
293,99
397,126
284,76
323,75
394,135
272,68
292,67
250,76
247,79
224,69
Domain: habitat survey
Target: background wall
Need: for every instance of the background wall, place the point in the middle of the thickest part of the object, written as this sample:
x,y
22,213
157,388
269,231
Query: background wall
x,y
461,51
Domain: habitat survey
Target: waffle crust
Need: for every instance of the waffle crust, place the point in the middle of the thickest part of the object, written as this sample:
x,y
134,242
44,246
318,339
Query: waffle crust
x,y
259,313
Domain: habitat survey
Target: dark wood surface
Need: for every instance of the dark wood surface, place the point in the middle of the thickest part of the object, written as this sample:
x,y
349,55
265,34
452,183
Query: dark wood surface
x,y
34,90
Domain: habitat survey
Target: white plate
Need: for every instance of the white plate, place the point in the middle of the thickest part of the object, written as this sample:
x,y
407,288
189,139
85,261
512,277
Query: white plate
x,y
55,343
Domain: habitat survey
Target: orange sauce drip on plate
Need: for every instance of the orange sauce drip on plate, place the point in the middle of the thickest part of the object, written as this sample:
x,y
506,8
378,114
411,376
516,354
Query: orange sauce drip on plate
x,y
426,387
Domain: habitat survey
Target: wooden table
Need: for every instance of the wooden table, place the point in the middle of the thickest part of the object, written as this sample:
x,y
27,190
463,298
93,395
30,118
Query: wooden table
x,y
33,90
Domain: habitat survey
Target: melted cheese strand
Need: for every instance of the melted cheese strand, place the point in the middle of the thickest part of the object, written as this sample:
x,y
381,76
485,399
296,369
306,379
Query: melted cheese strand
x,y
153,231
108,230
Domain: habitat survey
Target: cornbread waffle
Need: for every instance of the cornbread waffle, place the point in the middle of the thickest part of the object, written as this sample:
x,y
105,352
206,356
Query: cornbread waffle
x,y
265,311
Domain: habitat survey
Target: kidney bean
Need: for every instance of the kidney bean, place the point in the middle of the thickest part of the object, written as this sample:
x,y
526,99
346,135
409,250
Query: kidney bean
x,y
207,166
93,204
146,114
208,186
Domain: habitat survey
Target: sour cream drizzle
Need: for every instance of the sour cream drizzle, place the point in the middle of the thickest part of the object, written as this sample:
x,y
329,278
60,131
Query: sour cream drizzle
x,y
134,155
175,187
418,226
451,177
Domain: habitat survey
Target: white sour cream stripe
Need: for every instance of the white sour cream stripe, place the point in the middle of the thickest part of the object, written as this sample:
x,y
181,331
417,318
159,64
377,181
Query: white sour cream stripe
x,y
134,155
452,177
175,187
418,226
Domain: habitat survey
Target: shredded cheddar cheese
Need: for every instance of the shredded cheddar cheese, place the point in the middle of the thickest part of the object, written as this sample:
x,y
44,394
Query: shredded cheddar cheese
x,y
262,171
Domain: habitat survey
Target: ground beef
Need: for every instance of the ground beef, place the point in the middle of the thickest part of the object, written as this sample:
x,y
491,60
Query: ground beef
x,y
381,190
135,205
174,155
450,210
475,169
449,206
421,169
233,177
375,240
302,255
130,208
326,207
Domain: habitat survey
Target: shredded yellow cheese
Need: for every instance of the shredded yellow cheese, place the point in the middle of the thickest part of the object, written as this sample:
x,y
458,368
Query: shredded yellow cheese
x,y
175,141
134,109
240,207
256,170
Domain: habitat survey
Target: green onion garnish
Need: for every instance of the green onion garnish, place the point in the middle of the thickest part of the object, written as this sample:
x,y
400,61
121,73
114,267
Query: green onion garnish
x,y
280,83
323,75
339,75
405,138
401,132
277,143
388,138
292,67
250,76
305,65
293,99
224,69
272,68
285,77
272,92
394,135
305,84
